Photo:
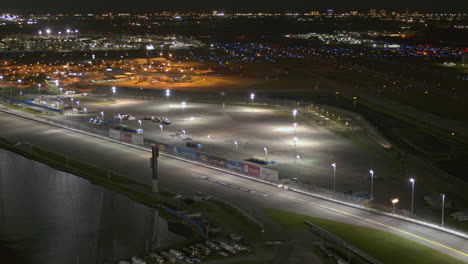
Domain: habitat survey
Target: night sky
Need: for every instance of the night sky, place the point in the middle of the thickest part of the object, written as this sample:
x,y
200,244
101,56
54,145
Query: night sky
x,y
230,5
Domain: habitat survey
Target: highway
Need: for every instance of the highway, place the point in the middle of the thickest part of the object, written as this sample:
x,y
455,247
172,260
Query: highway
x,y
186,178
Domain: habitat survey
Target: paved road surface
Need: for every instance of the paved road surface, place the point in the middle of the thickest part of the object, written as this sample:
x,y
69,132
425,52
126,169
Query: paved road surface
x,y
186,178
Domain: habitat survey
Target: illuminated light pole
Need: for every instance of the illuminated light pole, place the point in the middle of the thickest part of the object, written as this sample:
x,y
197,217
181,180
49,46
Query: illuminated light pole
x,y
412,195
40,32
68,33
252,97
371,186
19,85
61,90
443,208
236,143
114,89
294,114
86,112
102,114
161,127
183,131
39,87
394,202
78,103
266,152
334,176
168,93
139,122
48,32
183,106
209,137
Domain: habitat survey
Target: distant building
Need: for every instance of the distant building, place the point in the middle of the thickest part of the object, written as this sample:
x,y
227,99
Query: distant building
x,y
314,13
383,12
354,13
373,12
214,13
330,12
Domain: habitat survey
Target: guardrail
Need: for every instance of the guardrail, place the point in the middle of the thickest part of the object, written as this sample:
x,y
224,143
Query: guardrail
x,y
356,250
255,221
430,225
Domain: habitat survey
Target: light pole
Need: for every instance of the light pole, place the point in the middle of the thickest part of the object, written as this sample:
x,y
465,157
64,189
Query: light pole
x,y
114,89
168,93
443,208
102,114
334,176
295,143
139,122
183,106
78,103
412,195
161,127
294,114
61,89
371,186
85,112
266,152
252,97
39,87
48,32
236,143
183,131
394,202
19,85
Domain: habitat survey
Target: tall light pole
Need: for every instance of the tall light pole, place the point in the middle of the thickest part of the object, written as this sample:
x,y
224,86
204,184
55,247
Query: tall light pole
x,y
371,186
48,32
443,208
39,87
295,143
139,122
19,85
168,93
334,176
294,114
183,106
394,202
412,195
85,112
266,152
161,127
236,143
78,103
102,114
114,89
252,97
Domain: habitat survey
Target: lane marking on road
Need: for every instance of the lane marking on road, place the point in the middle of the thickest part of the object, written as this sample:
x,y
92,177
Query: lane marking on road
x,y
339,211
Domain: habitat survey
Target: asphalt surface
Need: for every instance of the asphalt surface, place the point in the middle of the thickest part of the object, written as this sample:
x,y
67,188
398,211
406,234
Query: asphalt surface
x,y
185,178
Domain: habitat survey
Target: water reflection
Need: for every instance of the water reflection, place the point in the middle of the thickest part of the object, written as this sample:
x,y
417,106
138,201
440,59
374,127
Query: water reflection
x,y
49,216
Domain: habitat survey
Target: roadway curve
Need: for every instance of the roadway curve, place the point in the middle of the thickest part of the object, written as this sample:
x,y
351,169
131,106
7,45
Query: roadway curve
x,y
186,178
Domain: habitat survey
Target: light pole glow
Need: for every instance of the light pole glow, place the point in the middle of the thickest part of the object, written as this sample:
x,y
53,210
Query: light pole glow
x,y
236,143
252,97
168,93
161,127
139,122
266,152
412,195
372,186
102,114
394,202
334,176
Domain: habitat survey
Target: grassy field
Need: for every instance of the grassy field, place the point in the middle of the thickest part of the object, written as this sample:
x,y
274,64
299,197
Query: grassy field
x,y
384,246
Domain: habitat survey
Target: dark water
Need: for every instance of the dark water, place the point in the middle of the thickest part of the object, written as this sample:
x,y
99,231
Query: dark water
x,y
48,216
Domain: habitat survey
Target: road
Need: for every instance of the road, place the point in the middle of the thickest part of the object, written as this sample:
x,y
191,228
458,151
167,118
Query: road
x,y
186,178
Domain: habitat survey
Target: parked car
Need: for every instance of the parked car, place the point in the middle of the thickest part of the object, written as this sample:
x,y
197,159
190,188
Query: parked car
x,y
194,144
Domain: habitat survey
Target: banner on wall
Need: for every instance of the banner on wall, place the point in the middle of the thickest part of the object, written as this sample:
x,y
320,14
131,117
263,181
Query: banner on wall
x,y
235,166
217,161
125,137
114,134
268,175
137,140
187,153
251,170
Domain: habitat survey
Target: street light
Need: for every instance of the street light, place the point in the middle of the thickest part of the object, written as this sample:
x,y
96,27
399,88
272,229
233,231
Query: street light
x,y
294,114
168,93
371,186
334,176
48,32
295,142
183,106
39,87
412,195
161,127
236,143
139,122
394,202
183,131
443,208
266,152
252,97
114,89
86,112
102,114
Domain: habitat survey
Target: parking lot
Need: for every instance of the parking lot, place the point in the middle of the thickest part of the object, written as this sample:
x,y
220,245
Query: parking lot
x,y
305,151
